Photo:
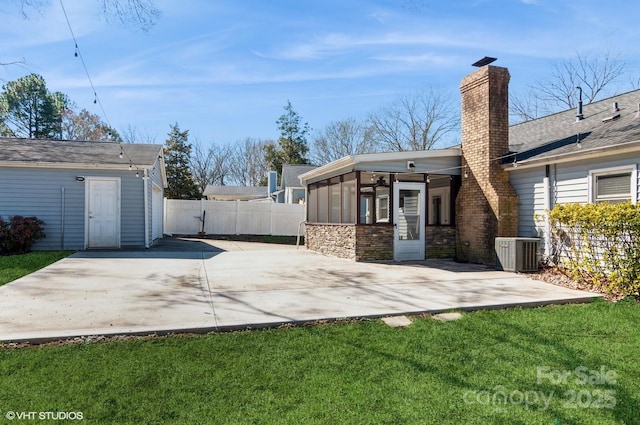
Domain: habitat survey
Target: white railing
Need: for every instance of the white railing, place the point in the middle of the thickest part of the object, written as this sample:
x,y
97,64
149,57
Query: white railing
x,y
232,217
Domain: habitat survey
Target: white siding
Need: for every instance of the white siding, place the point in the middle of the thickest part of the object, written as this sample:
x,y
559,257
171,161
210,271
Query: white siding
x,y
569,183
529,185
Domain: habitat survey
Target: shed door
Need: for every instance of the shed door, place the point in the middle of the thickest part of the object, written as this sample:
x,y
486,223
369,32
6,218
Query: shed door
x,y
103,212
409,221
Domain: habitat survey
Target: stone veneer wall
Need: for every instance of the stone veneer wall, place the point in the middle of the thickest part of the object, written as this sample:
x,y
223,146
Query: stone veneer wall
x,y
487,204
332,239
374,242
441,242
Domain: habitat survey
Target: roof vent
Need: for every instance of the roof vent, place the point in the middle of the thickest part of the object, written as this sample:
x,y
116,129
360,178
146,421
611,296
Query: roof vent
x,y
616,108
579,115
611,118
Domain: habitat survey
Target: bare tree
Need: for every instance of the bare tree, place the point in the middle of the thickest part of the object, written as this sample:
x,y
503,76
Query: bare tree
x,y
209,165
559,90
340,139
131,134
248,166
140,13
415,122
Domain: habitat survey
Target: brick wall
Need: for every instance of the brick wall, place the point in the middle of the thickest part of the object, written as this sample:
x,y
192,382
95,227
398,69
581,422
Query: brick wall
x,y
441,242
332,239
486,205
374,242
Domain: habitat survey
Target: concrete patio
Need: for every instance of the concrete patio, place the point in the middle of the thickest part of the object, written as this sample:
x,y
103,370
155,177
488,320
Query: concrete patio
x,y
206,285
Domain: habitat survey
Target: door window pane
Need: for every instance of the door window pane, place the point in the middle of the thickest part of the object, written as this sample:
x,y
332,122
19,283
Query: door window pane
x,y
409,214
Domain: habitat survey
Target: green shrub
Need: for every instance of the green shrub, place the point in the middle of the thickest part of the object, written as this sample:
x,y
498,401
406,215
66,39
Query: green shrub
x,y
599,243
19,233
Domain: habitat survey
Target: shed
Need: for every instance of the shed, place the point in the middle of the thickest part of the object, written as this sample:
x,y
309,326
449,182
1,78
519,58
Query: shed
x,y
91,195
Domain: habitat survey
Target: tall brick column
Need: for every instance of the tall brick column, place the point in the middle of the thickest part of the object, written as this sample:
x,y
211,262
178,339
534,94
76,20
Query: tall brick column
x,y
486,205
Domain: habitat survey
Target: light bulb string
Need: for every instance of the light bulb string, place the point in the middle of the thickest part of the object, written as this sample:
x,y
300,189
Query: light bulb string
x,y
96,98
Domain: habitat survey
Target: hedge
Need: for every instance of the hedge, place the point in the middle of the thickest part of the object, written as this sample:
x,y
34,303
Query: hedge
x,y
598,243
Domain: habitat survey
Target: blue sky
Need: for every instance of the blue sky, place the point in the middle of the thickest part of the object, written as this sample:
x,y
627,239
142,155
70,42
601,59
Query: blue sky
x,y
224,69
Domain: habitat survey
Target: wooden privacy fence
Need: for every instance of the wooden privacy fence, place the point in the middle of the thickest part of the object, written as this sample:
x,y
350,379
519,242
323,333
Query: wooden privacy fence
x,y
232,217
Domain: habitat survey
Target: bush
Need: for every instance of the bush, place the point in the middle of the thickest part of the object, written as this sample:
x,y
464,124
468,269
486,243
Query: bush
x,y
18,235
599,243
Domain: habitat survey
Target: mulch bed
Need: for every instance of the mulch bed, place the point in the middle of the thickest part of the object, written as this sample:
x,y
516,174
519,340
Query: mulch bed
x,y
556,277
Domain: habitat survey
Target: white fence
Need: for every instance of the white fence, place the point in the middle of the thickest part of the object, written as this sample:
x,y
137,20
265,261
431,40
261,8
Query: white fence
x,y
232,217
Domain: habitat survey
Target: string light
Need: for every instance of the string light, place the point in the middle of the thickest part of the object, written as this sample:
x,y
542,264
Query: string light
x,y
578,144
96,100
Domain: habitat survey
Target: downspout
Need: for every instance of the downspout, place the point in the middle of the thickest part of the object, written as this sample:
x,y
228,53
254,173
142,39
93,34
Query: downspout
x,y
145,180
547,209
62,221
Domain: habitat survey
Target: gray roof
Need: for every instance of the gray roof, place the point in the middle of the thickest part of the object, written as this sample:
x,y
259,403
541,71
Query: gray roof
x,y
239,191
290,174
556,135
42,152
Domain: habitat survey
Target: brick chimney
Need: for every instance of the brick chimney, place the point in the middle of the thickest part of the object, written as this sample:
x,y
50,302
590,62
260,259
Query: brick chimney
x,y
487,205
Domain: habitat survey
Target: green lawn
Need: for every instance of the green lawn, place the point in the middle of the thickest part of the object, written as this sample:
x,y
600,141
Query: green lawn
x,y
490,367
14,266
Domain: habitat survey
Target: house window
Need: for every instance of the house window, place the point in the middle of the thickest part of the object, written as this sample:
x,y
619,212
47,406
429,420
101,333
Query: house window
x,y
613,186
366,205
382,205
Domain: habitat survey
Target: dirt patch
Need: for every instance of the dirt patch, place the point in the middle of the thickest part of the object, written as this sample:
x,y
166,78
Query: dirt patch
x,y
556,277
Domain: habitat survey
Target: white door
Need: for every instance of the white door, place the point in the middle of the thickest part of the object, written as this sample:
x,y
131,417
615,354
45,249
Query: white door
x,y
409,221
156,213
103,212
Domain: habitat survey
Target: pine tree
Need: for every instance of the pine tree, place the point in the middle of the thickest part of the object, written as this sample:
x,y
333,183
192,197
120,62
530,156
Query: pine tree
x,y
292,145
29,109
177,154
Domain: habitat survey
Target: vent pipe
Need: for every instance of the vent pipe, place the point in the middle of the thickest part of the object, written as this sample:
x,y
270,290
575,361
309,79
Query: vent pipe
x,y
579,115
616,108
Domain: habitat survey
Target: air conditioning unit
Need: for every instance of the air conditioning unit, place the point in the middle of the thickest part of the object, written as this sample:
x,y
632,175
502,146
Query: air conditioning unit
x,y
517,254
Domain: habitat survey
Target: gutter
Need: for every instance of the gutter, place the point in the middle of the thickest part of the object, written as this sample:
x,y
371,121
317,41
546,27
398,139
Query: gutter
x,y
576,156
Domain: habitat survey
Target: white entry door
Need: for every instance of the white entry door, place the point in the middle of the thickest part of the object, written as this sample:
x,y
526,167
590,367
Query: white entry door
x,y
103,212
409,221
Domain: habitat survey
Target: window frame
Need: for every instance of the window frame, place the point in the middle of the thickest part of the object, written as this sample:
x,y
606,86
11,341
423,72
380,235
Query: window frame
x,y
633,183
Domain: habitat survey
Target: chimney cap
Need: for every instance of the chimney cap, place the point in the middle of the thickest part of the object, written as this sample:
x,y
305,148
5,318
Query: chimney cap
x,y
484,61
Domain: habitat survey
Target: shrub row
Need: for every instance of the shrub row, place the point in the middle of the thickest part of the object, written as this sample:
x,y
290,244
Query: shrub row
x,y
598,243
19,233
